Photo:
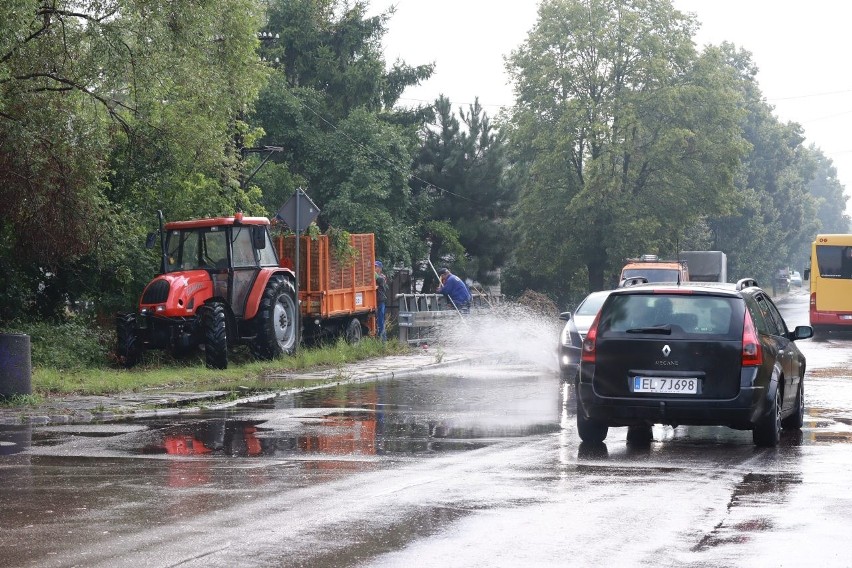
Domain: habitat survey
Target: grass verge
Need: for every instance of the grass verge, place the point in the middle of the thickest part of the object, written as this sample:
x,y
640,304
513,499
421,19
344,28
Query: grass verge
x,y
190,375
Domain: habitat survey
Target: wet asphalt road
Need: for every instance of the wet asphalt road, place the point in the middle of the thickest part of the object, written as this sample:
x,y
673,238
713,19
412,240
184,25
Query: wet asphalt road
x,y
475,465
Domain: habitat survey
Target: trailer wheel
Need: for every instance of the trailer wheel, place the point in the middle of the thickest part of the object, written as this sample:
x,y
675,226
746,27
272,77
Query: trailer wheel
x,y
353,331
276,320
214,327
127,348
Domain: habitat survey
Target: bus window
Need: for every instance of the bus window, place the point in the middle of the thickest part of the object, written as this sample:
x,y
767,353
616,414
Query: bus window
x,y
831,283
846,263
834,261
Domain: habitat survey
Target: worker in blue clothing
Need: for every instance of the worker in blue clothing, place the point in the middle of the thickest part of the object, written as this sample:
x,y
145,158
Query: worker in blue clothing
x,y
455,290
381,300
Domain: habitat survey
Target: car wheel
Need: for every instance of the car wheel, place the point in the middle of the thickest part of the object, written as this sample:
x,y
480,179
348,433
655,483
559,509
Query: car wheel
x,y
796,420
276,320
127,346
215,332
640,435
767,431
590,430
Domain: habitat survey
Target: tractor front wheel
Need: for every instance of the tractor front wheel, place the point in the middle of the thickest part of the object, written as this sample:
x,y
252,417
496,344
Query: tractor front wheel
x,y
276,320
215,331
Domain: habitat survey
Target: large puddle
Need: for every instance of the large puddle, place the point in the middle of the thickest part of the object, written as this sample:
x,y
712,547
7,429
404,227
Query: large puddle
x,y
455,410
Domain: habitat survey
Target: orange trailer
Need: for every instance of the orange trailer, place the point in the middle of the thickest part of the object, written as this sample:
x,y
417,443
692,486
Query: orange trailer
x,y
335,298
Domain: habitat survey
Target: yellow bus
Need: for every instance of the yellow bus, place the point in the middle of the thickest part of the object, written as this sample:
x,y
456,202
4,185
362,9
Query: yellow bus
x,y
830,274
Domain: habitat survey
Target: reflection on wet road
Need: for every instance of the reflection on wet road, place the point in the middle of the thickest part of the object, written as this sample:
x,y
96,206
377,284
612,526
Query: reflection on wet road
x,y
352,422
478,465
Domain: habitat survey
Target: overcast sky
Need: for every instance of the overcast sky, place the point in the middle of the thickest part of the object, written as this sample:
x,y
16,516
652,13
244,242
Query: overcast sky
x,y
799,46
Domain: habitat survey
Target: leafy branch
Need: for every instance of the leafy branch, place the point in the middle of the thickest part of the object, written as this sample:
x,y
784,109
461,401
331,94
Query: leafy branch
x,y
340,245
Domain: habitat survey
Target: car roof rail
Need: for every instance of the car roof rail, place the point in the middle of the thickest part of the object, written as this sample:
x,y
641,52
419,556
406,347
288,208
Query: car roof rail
x,y
636,280
746,283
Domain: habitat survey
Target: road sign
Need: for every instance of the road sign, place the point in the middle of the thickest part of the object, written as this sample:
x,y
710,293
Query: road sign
x,y
298,212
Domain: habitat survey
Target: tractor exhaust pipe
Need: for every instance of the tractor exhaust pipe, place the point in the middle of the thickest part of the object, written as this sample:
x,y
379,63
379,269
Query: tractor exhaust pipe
x,y
164,256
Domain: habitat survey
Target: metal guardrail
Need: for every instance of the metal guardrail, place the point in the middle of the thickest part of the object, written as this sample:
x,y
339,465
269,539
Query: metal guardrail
x,y
420,315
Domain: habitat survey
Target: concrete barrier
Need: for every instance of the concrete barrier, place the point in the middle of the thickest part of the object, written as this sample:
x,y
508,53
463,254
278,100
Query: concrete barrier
x,y
15,365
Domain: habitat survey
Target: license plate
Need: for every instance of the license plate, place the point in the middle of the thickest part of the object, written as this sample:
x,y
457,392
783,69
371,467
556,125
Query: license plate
x,y
846,317
666,385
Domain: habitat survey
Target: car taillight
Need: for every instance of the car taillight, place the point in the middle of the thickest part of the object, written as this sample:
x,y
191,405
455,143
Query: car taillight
x,y
813,301
588,354
752,351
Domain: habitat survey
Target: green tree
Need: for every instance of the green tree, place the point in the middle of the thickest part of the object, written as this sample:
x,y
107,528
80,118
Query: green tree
x,y
461,166
776,216
330,106
620,120
828,191
110,109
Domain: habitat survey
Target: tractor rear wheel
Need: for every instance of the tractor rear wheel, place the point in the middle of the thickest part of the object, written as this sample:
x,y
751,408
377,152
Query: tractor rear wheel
x,y
127,347
276,320
215,331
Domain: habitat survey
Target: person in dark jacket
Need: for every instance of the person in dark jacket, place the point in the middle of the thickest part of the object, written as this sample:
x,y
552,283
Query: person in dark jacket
x,y
454,289
381,300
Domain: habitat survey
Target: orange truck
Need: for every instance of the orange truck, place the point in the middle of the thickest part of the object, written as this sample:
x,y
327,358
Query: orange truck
x,y
651,268
691,265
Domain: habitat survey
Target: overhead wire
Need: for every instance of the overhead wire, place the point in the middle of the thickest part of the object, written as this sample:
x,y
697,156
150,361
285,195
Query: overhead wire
x,y
810,95
499,106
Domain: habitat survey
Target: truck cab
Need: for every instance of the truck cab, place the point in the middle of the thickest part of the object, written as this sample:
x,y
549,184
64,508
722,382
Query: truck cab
x,y
650,267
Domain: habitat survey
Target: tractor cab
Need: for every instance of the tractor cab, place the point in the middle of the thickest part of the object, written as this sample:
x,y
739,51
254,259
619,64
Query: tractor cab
x,y
244,244
232,250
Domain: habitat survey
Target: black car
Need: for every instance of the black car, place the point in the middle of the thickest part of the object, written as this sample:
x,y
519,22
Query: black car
x,y
691,354
575,329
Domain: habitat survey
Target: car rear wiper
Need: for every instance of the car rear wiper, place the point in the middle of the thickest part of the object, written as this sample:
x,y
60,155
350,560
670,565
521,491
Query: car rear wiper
x,y
661,329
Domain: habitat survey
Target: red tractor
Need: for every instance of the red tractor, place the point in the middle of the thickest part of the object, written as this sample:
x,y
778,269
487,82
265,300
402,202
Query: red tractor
x,y
220,284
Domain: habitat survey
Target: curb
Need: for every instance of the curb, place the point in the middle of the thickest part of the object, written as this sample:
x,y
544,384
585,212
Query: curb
x,y
377,377
117,408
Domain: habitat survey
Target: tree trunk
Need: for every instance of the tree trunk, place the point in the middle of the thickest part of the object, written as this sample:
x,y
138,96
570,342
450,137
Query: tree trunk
x,y
596,275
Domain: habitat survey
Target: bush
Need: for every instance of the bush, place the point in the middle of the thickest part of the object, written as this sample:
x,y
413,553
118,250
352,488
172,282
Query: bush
x,y
78,344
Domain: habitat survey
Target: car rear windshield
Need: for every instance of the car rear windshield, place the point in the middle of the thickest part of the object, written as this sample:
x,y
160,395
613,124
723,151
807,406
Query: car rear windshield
x,y
674,314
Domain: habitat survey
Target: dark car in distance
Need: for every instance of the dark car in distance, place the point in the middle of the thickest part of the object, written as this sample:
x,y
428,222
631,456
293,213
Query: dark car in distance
x,y
576,326
690,354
